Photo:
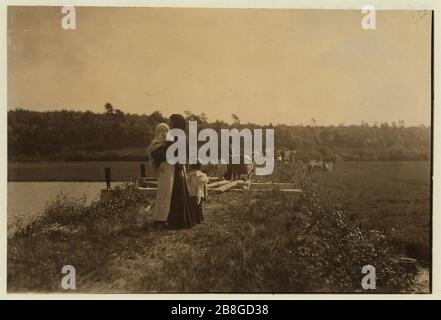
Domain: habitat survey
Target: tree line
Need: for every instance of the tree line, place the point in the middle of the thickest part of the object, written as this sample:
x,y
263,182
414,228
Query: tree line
x,y
115,135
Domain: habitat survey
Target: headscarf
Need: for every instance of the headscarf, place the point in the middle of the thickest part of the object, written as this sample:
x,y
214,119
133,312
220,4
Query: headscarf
x,y
177,121
161,131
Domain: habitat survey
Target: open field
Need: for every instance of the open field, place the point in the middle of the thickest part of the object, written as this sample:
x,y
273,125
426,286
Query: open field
x,y
386,195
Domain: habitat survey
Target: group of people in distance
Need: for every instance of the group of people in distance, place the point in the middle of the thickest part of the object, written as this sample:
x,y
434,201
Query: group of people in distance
x,y
286,155
179,194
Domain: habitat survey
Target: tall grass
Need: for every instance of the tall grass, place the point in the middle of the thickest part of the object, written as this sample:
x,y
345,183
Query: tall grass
x,y
68,232
277,243
271,242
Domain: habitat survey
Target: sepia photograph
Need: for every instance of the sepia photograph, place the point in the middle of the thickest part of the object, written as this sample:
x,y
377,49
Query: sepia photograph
x,y
219,150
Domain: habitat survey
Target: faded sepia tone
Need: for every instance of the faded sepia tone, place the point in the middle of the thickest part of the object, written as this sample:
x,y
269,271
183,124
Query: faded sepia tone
x,y
91,188
280,64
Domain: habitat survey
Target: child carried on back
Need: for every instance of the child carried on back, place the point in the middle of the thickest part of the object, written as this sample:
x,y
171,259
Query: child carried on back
x,y
197,187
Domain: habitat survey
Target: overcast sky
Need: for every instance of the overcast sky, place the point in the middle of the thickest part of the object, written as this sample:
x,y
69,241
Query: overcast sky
x,y
279,66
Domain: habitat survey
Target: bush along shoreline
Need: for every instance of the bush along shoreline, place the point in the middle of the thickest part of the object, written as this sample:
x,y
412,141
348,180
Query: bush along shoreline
x,y
270,242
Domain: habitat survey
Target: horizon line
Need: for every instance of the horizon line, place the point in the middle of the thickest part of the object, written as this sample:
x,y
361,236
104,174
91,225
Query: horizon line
x,y
312,121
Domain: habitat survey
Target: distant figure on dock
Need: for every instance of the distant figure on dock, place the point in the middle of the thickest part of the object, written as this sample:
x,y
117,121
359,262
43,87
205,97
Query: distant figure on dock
x,y
287,156
279,155
293,156
243,170
283,155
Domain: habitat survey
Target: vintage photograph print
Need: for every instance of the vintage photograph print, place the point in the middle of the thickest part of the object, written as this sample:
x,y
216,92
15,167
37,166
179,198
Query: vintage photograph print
x,y
208,150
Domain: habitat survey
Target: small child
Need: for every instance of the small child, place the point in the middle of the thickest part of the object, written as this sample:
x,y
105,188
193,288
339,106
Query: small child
x,y
197,187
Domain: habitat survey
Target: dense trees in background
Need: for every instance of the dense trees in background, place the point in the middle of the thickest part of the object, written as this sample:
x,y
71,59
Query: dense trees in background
x,y
115,135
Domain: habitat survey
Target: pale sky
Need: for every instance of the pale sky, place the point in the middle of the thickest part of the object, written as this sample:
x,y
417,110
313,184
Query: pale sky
x,y
279,66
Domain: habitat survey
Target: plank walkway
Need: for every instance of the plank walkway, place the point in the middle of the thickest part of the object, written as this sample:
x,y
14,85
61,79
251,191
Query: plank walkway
x,y
149,187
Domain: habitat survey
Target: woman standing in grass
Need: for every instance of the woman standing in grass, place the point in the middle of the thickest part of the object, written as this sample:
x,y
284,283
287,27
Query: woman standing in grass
x,y
165,173
172,198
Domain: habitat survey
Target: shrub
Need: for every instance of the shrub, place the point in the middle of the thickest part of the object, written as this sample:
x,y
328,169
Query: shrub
x,y
340,249
116,214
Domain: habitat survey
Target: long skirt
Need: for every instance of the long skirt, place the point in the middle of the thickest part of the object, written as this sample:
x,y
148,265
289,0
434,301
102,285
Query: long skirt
x,y
161,209
196,210
180,215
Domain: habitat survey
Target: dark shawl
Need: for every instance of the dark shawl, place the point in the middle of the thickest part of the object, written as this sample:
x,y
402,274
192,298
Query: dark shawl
x,y
180,215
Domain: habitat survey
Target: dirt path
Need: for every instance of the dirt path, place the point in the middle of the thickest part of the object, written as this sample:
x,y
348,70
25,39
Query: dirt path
x,y
421,281
145,269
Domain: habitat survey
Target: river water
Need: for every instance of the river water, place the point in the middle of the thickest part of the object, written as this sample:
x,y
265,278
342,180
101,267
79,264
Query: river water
x,y
27,200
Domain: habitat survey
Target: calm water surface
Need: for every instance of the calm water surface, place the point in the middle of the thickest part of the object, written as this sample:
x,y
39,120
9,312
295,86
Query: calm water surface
x,y
28,199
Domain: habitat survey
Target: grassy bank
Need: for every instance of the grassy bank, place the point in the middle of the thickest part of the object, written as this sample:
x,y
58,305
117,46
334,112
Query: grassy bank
x,y
272,242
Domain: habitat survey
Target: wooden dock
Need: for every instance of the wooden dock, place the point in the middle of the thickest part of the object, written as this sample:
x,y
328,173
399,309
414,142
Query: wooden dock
x,y
148,186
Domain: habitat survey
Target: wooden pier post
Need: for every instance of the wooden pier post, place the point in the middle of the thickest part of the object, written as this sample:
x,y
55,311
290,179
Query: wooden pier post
x,y
108,177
